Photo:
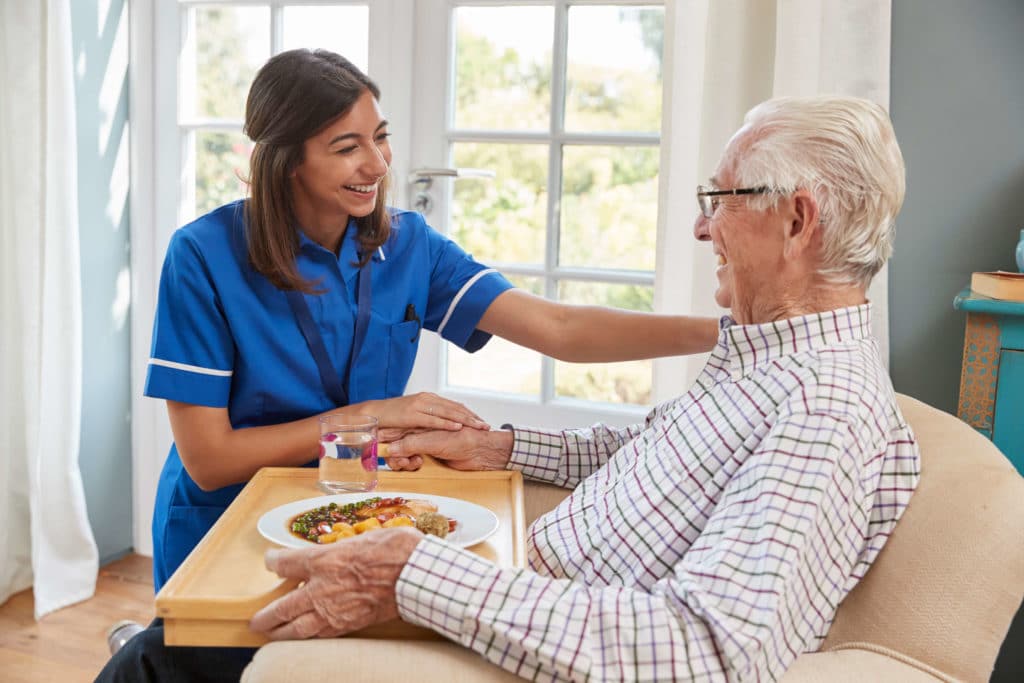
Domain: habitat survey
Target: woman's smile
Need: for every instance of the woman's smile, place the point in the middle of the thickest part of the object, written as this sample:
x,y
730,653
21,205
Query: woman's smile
x,y
368,190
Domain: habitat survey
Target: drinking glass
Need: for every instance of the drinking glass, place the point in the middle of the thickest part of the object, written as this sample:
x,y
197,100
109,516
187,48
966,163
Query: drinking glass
x,y
348,453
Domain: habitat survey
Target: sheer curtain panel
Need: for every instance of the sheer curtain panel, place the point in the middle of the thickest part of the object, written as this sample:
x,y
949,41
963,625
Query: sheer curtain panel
x,y
723,57
46,540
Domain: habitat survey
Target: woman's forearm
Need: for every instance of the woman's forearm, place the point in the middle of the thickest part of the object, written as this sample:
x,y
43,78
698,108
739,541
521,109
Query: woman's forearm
x,y
217,455
594,333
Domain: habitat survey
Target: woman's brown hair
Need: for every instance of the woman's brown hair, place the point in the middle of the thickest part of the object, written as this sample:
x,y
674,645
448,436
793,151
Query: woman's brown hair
x,y
293,97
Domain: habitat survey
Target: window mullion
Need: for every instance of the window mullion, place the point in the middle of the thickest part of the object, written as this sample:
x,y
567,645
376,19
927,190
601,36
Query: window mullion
x,y
186,87
211,124
187,178
276,27
186,105
558,61
559,57
561,137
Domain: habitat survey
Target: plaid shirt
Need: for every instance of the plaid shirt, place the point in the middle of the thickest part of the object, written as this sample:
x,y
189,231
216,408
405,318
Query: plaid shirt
x,y
713,542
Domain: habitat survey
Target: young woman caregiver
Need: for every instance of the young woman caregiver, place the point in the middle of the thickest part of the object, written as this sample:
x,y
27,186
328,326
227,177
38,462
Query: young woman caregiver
x,y
308,297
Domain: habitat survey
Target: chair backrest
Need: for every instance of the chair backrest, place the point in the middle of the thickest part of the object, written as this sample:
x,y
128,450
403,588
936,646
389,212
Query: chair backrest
x,y
950,578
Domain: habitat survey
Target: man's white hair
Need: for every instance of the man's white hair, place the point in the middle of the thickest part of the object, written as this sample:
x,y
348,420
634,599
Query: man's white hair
x,y
844,151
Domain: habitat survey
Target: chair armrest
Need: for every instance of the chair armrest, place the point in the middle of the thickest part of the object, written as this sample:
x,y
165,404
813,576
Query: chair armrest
x,y
540,498
856,665
363,659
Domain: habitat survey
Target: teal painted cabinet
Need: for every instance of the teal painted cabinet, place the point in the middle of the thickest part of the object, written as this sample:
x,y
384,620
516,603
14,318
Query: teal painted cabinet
x,y
992,373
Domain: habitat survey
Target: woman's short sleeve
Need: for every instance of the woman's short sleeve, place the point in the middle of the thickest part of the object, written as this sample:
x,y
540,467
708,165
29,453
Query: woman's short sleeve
x,y
461,290
193,350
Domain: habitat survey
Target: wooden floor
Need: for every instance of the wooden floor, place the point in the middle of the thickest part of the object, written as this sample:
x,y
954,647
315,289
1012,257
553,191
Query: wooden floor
x,y
70,645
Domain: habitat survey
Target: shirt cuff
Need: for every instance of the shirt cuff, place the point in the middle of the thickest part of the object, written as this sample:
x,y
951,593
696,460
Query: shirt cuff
x,y
537,454
436,584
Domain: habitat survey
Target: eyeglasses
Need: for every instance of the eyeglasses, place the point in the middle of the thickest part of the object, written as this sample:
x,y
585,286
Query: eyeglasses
x,y
707,202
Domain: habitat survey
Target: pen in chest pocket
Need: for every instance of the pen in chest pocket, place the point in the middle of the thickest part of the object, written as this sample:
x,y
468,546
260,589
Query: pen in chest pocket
x,y
410,315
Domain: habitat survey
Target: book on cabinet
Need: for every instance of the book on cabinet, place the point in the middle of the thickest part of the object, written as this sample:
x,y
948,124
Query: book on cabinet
x,y
999,284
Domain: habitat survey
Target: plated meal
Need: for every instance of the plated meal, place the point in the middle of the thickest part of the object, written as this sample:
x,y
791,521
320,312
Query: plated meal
x,y
328,519
328,523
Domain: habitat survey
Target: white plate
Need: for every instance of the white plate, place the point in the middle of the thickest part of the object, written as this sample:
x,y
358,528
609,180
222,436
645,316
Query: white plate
x,y
475,523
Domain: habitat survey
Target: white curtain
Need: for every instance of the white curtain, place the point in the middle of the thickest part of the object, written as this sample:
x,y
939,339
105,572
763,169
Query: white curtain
x,y
723,57
44,529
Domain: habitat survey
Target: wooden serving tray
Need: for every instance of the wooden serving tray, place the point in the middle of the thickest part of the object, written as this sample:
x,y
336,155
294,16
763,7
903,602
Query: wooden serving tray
x,y
223,582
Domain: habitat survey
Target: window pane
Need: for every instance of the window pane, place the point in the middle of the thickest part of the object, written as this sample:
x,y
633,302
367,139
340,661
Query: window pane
x,y
628,382
339,29
614,87
501,219
501,365
609,208
222,163
503,67
231,44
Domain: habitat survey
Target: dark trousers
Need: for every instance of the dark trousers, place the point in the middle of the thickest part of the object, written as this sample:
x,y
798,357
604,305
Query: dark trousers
x,y
145,659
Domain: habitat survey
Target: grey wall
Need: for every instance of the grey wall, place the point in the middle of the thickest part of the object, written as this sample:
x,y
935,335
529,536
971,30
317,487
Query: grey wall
x,y
957,104
100,51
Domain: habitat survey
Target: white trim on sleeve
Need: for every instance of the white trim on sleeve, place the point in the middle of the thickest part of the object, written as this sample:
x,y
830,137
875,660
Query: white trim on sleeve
x,y
190,368
458,297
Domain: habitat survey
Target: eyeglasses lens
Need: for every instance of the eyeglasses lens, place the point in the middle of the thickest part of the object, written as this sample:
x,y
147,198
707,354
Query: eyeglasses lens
x,y
705,203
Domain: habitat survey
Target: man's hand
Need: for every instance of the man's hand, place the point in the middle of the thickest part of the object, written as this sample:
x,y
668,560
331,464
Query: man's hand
x,y
348,585
468,449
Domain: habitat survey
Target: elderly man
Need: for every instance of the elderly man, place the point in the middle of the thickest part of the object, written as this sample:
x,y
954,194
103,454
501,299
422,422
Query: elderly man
x,y
716,539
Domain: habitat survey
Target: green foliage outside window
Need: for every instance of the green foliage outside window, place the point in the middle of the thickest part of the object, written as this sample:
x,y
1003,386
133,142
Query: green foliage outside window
x,y
223,75
608,205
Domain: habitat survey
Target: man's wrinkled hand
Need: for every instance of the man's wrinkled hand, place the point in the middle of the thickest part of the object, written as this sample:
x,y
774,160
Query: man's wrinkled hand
x,y
468,449
348,585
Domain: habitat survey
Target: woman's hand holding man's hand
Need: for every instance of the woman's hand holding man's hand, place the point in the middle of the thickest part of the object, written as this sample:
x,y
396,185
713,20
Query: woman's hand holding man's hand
x,y
397,417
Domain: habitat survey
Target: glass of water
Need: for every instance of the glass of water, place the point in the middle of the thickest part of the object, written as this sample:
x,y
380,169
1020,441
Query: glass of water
x,y
348,453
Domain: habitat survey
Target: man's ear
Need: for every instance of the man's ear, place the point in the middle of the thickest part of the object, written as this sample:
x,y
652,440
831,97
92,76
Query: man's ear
x,y
803,224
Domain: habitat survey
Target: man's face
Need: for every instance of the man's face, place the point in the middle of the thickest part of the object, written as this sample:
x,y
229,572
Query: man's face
x,y
747,243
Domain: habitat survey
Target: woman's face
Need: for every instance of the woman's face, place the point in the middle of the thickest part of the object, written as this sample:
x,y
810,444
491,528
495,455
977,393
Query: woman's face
x,y
342,166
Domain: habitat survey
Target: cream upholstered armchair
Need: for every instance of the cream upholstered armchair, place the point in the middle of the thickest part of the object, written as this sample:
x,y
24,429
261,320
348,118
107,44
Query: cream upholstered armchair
x,y
936,605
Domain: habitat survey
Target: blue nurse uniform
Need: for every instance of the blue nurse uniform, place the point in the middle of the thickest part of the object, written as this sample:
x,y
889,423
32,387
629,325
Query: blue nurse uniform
x,y
224,336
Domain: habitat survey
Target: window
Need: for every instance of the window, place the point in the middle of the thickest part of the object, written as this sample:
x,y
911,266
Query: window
x,y
562,101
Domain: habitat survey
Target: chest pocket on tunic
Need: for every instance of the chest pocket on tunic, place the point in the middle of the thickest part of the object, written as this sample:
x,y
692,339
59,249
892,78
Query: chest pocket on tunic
x,y
402,344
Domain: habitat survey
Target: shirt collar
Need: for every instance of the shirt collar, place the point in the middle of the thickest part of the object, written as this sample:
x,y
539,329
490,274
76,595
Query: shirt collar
x,y
749,348
349,253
